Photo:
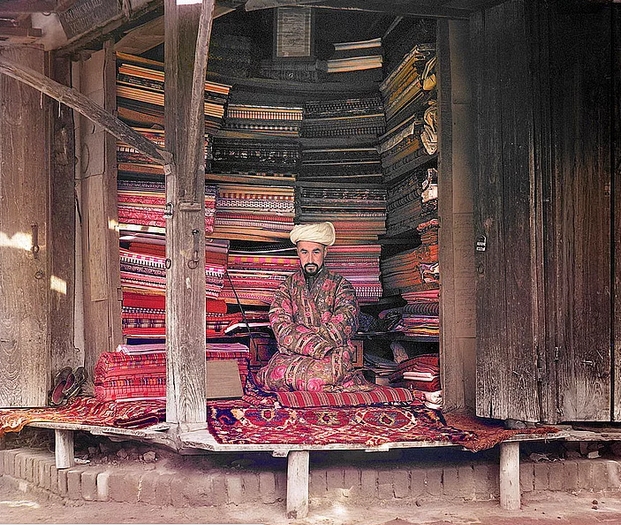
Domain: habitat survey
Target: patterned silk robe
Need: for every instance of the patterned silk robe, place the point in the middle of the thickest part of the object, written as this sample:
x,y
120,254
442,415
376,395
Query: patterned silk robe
x,y
313,328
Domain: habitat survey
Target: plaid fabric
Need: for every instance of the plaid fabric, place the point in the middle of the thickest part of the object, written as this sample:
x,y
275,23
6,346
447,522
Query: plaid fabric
x,y
121,376
378,396
138,387
118,364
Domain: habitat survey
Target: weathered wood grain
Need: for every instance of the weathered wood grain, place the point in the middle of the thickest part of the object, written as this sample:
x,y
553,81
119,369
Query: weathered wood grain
x,y
187,31
506,345
24,238
455,208
579,253
63,227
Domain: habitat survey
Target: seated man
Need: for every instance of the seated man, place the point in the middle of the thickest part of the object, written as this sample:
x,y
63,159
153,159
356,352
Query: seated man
x,y
313,315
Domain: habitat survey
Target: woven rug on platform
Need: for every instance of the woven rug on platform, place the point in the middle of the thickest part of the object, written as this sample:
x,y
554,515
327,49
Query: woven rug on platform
x,y
233,422
87,411
257,419
260,418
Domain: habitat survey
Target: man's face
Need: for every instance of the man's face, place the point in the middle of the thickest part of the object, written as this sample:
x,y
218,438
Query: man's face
x,y
311,256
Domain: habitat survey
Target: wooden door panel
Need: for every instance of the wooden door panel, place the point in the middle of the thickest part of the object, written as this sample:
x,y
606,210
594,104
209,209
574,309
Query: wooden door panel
x,y
506,335
544,317
24,282
616,195
578,253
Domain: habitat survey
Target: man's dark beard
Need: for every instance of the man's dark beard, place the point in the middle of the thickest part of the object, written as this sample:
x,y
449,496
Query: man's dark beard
x,y
313,272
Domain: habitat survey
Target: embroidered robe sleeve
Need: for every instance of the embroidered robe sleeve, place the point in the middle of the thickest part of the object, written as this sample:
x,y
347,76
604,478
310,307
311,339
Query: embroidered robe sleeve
x,y
312,323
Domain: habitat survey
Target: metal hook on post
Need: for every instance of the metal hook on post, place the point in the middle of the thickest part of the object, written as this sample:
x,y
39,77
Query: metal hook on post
x,y
35,240
193,263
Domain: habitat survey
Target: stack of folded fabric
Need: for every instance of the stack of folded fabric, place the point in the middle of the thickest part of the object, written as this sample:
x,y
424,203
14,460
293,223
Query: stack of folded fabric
x,y
143,316
411,270
356,164
140,92
359,264
408,94
122,376
143,203
404,204
135,372
255,273
418,373
263,213
277,121
359,214
419,318
360,117
232,51
359,61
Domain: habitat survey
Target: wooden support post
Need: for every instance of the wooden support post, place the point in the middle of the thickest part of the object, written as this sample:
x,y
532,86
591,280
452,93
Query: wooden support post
x,y
510,475
187,32
63,448
297,484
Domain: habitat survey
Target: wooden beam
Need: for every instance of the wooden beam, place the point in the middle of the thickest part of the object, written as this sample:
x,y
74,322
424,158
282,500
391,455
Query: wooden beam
x,y
187,31
254,5
21,32
402,8
27,6
62,223
83,105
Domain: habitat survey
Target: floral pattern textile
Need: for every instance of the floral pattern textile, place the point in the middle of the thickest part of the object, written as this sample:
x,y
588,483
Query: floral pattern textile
x,y
313,324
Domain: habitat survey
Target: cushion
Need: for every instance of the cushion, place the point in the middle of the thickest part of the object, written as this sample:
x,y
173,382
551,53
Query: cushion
x,y
379,395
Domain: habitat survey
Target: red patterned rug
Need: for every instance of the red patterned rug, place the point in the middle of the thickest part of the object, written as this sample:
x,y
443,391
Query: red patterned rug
x,y
87,411
231,422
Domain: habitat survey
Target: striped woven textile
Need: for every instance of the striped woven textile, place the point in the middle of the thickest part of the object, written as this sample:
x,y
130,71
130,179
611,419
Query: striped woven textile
x,y
122,376
377,396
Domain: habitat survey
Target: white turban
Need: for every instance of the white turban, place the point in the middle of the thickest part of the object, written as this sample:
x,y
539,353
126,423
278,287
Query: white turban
x,y
321,232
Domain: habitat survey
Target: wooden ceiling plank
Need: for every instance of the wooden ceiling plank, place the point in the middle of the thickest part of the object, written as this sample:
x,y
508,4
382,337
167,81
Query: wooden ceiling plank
x,y
423,9
255,5
410,9
19,32
27,6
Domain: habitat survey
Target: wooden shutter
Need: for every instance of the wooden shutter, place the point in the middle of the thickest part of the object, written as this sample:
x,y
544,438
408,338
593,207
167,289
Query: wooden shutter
x,y
505,257
24,236
577,90
544,204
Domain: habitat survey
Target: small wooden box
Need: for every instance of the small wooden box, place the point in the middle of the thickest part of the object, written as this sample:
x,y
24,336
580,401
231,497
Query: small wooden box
x,y
359,357
261,349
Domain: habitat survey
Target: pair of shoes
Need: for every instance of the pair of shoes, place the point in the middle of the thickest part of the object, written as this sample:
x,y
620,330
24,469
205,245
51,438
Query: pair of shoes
x,y
74,382
67,384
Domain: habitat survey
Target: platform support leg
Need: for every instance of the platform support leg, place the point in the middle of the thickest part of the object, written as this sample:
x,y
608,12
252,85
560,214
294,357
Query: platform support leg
x,y
63,449
510,475
297,483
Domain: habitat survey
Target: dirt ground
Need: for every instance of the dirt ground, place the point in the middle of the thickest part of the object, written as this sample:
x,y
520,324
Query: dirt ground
x,y
18,504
